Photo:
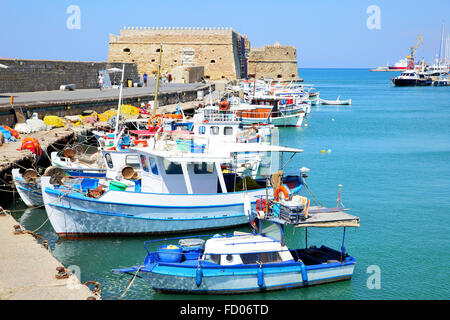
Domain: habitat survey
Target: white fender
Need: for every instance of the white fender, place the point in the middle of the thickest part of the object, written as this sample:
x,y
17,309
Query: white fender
x,y
247,205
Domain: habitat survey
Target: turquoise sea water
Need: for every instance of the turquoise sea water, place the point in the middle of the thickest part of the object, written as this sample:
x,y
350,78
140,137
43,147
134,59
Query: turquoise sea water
x,y
391,152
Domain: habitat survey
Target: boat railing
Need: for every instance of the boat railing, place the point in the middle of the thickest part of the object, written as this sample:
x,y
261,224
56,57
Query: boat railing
x,y
184,237
228,116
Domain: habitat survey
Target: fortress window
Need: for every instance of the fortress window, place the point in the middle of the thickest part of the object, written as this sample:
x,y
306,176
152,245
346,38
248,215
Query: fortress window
x,y
279,76
158,50
213,61
153,60
126,50
293,75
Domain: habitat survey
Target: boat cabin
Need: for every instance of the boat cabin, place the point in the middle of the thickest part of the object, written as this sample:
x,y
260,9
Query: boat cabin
x,y
169,172
408,74
245,249
176,172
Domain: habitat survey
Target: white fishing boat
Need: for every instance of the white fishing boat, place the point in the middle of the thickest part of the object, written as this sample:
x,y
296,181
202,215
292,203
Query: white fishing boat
x,y
177,192
72,160
336,102
270,109
412,78
441,81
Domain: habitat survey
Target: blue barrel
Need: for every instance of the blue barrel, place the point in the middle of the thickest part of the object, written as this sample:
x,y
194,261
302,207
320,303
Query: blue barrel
x,y
166,254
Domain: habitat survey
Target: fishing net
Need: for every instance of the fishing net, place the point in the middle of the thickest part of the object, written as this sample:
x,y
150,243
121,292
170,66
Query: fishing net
x,y
54,121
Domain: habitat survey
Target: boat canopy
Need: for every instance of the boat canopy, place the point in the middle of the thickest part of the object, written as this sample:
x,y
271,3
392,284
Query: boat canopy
x,y
253,147
226,152
326,218
321,217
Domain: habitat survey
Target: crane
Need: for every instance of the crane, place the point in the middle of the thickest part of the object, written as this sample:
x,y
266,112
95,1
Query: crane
x,y
413,49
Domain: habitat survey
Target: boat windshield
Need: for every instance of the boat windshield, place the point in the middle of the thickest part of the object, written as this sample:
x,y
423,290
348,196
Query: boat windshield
x,y
272,230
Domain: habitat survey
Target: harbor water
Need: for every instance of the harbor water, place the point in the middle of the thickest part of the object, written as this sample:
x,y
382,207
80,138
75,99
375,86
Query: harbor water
x,y
390,150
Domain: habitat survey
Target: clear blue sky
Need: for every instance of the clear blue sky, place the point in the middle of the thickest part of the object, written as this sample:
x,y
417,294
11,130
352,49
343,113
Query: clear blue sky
x,y
326,33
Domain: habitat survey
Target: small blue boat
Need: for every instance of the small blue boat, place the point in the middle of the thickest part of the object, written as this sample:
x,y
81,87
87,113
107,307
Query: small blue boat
x,y
248,262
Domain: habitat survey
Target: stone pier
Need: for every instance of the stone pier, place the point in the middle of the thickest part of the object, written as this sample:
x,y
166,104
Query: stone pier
x,y
28,270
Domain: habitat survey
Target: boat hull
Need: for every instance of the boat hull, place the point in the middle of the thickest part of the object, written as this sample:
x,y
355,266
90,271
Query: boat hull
x,y
30,193
411,82
441,83
294,120
73,214
244,279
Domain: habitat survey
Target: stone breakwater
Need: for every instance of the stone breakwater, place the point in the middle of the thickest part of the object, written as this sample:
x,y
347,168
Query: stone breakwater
x,y
43,75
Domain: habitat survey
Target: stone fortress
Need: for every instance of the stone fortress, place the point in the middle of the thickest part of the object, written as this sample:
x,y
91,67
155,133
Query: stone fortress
x,y
274,61
216,53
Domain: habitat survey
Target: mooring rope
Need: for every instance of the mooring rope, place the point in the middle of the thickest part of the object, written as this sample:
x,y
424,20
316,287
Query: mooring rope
x,y
316,201
131,282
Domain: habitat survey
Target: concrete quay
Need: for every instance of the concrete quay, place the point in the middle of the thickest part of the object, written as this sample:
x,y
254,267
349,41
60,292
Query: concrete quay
x,y
63,103
28,270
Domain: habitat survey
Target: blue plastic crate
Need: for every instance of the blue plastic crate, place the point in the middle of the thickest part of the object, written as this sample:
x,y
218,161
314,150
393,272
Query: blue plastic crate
x,y
198,148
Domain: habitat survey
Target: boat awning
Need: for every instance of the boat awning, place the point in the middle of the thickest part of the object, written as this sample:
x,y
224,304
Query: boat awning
x,y
256,147
181,157
321,217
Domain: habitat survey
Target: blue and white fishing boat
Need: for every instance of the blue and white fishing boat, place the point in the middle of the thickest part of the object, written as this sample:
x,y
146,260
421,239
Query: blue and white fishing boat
x,y
28,184
177,192
30,189
248,262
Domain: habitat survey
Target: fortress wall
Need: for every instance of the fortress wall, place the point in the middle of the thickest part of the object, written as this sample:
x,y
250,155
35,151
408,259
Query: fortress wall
x,y
217,49
274,61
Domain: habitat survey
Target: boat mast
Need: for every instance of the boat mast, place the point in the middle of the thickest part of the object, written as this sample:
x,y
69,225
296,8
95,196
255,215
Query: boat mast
x,y
447,51
441,47
116,137
254,83
157,81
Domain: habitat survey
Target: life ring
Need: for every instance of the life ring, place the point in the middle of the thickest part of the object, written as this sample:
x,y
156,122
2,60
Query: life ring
x,y
284,189
224,106
150,121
